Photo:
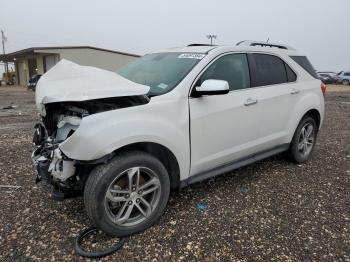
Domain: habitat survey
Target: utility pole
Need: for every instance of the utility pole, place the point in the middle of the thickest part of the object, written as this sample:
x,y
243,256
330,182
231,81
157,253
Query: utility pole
x,y
3,40
211,37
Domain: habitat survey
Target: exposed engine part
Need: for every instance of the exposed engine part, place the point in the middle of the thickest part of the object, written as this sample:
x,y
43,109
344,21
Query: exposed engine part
x,y
66,127
73,120
41,164
77,110
55,111
66,176
59,168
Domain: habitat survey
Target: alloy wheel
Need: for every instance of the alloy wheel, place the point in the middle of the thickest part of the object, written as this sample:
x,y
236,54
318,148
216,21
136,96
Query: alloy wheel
x,y
132,196
306,139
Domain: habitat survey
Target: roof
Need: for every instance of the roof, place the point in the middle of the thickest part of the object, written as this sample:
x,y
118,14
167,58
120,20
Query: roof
x,y
205,49
35,50
188,49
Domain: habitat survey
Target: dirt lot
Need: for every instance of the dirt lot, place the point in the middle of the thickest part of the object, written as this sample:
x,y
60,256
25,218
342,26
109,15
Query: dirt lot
x,y
272,210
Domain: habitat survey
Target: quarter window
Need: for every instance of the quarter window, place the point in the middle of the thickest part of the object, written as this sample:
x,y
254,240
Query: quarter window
x,y
305,63
231,68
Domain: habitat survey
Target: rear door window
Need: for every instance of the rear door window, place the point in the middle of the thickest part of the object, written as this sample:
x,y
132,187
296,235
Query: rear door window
x,y
305,63
269,70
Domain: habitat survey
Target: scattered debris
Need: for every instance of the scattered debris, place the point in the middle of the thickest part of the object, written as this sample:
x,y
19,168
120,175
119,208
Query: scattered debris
x,y
10,107
202,206
217,197
243,189
8,188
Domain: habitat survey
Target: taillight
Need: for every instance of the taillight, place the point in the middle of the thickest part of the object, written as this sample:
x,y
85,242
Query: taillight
x,y
323,88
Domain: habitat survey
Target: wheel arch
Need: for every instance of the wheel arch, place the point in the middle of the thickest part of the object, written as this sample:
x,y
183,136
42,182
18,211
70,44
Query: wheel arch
x,y
315,114
165,155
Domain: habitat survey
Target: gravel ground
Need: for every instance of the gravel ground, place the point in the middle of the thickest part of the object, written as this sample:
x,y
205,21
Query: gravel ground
x,y
272,210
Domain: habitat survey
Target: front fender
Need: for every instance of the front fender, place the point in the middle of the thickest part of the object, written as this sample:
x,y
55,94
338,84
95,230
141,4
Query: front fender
x,y
103,133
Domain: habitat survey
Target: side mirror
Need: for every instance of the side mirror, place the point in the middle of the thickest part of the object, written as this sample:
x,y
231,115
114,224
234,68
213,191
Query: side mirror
x,y
213,87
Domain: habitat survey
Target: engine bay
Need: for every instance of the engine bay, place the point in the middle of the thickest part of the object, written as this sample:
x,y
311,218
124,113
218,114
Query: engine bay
x,y
56,112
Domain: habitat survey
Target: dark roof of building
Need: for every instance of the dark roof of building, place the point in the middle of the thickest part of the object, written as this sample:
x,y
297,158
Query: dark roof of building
x,y
32,50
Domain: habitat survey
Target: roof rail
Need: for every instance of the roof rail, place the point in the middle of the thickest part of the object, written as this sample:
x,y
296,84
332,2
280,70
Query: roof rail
x,y
264,44
200,45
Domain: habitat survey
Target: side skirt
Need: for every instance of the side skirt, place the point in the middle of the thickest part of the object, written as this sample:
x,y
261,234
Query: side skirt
x,y
233,165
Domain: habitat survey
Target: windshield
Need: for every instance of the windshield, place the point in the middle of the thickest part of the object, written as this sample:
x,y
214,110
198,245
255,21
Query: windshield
x,y
161,71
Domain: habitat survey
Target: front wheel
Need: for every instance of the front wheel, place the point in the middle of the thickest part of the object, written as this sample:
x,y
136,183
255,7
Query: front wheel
x,y
128,194
345,82
304,140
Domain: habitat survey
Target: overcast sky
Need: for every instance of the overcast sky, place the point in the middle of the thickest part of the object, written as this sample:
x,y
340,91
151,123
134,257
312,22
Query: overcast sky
x,y
320,28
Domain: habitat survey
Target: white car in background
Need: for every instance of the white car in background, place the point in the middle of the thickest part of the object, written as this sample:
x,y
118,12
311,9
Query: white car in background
x,y
169,119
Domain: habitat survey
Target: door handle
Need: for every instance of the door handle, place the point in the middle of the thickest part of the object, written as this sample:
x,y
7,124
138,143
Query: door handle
x,y
294,91
250,102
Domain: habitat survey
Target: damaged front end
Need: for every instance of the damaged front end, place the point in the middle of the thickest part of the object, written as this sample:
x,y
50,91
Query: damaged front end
x,y
60,121
66,95
51,164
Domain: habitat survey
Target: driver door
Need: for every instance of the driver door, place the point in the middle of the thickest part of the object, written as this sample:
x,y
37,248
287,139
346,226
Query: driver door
x,y
223,128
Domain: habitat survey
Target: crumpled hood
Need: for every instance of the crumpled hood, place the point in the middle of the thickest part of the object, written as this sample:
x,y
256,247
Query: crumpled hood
x,y
68,81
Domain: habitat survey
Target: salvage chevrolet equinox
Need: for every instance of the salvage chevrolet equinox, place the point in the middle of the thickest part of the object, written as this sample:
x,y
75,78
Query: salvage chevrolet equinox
x,y
168,119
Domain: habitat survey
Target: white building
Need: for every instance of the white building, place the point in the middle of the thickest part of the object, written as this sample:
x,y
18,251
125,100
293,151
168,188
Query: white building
x,y
38,60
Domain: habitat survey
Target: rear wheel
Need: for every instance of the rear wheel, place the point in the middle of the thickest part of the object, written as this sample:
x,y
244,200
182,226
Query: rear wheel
x,y
127,195
304,140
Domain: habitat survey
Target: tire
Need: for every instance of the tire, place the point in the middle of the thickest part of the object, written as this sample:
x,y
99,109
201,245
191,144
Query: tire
x,y
298,154
100,196
345,82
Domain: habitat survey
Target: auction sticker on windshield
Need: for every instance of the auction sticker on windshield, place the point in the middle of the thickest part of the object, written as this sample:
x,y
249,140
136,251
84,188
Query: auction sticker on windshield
x,y
192,56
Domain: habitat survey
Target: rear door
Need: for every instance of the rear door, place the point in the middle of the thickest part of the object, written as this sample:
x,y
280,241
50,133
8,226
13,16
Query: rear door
x,y
223,128
277,93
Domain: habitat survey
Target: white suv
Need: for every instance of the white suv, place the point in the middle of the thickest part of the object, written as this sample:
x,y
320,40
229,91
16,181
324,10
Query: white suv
x,y
169,119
